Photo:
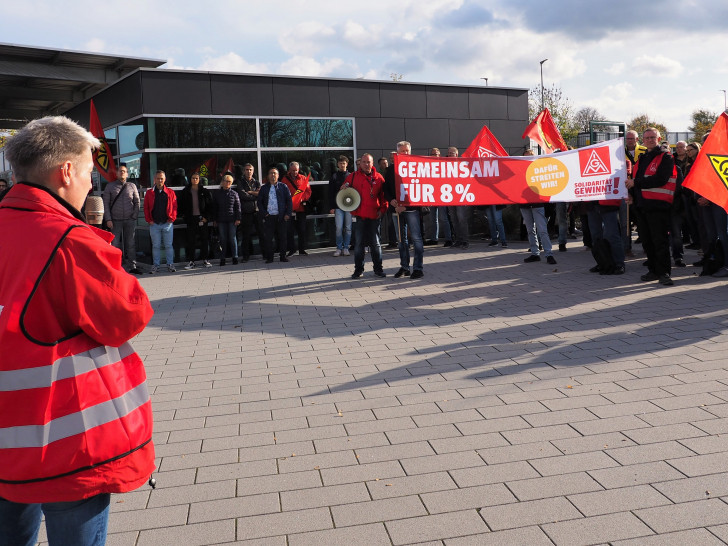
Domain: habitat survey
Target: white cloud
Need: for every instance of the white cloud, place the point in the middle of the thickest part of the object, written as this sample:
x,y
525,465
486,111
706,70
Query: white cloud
x,y
657,65
232,62
308,66
306,38
616,69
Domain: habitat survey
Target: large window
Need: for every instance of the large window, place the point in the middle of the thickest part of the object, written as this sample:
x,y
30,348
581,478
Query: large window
x,y
132,137
201,133
306,133
210,165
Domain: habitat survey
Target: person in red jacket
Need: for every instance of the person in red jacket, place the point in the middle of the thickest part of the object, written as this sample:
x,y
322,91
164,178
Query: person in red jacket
x,y
370,185
160,212
75,413
300,194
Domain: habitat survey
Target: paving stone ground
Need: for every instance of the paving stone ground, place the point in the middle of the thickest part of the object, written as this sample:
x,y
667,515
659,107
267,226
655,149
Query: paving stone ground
x,y
492,402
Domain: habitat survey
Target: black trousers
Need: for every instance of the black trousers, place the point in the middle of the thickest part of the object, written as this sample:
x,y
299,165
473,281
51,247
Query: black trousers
x,y
654,229
249,221
195,231
274,226
297,224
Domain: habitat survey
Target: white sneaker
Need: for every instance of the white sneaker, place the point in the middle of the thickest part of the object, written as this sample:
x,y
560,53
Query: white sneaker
x,y
206,264
190,265
154,270
171,268
337,253
346,252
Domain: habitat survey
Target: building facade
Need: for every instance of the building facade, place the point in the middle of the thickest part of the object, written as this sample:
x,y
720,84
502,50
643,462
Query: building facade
x,y
166,119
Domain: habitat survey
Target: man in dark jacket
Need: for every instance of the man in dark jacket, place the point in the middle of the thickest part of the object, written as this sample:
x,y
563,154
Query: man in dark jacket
x,y
406,223
342,218
275,208
248,189
653,189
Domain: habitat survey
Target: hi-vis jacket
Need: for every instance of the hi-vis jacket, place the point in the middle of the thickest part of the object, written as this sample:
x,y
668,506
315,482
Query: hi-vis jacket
x,y
655,180
75,414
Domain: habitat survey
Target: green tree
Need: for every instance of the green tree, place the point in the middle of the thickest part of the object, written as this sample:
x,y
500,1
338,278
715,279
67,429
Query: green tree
x,y
560,107
703,121
643,122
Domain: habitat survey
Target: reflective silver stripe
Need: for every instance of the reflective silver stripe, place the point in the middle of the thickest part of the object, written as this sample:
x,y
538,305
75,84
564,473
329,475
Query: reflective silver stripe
x,y
63,368
75,423
658,190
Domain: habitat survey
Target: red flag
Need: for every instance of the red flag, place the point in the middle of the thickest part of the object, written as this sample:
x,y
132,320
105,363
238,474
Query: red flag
x,y
544,131
209,168
229,166
709,174
485,145
103,159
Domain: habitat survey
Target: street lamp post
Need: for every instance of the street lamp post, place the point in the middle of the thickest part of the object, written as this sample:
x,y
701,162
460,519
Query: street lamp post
x,y
725,106
486,81
541,63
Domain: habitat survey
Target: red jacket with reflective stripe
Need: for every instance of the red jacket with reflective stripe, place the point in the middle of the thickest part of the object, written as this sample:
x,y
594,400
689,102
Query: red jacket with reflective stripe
x,y
75,414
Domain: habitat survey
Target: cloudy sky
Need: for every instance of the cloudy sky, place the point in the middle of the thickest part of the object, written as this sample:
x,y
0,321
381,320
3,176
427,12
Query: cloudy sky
x,y
624,58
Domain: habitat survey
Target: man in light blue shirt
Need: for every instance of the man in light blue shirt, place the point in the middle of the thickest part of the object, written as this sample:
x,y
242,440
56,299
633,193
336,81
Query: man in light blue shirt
x,y
275,206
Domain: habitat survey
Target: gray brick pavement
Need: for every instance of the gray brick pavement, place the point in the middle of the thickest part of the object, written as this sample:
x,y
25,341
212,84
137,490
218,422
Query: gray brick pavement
x,y
492,402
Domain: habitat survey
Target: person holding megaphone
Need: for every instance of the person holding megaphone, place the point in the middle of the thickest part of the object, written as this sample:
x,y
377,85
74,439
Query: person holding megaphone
x,y
369,184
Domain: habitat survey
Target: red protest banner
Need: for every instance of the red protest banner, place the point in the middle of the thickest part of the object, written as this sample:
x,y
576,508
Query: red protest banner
x,y
591,173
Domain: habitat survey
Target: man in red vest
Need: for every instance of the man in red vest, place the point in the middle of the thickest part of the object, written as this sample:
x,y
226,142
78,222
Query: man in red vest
x,y
75,414
653,189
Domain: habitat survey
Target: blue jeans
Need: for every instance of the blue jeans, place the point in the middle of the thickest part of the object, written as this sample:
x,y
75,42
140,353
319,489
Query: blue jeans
x,y
495,221
228,238
605,225
343,229
81,523
162,233
411,221
535,220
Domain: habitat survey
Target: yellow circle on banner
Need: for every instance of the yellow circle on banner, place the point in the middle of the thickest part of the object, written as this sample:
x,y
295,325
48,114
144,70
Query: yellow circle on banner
x,y
547,176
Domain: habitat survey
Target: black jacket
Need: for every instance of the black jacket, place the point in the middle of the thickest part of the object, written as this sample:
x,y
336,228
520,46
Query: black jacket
x,y
247,201
185,204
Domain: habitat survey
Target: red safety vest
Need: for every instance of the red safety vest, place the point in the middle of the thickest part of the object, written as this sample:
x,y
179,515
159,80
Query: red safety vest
x,y
664,193
75,413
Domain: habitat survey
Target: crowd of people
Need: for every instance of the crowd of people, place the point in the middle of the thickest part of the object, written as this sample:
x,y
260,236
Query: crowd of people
x,y
222,222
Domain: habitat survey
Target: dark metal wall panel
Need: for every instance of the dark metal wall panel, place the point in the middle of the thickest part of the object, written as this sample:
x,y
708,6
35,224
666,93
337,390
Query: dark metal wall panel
x,y
117,103
185,93
403,101
463,131
487,104
359,99
509,134
300,97
518,105
378,133
425,133
447,102
241,95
